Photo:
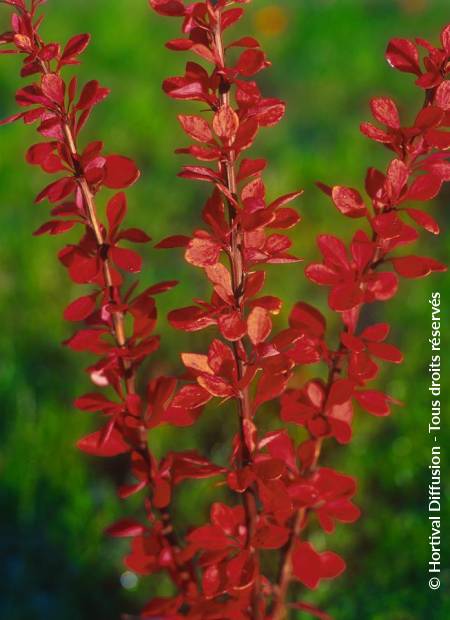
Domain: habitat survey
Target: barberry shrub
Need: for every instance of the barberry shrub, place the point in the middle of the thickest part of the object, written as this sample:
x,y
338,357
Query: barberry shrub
x,y
240,564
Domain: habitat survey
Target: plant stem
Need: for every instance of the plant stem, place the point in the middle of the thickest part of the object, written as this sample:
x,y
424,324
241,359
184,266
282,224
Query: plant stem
x,y
238,276
91,211
280,610
285,577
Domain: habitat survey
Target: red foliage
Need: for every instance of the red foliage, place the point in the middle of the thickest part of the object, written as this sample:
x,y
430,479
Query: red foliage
x,y
278,487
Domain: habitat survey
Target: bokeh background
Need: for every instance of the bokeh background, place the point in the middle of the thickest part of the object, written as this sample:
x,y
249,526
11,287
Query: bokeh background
x,y
54,502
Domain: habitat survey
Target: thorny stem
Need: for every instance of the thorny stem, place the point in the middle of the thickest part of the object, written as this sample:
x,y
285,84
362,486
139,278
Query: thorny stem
x,y
238,282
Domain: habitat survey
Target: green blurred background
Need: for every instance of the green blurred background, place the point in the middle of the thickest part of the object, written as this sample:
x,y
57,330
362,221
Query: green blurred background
x,y
54,502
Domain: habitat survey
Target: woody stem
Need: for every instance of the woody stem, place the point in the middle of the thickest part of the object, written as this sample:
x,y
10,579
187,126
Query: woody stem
x,y
285,576
91,212
238,276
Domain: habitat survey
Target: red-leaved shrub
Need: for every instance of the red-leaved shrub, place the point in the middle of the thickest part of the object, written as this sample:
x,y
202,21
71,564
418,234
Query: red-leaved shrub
x,y
277,488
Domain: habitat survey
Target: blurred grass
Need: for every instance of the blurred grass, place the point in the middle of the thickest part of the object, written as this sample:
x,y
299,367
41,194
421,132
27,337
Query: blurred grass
x,y
54,502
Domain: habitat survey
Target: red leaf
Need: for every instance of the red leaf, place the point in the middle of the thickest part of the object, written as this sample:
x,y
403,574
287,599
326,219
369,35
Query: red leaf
x,y
385,111
196,127
11,119
191,397
203,51
284,219
340,392
250,167
190,319
375,402
286,199
281,447
162,492
349,201
91,95
231,17
189,91
129,260
259,325
270,537
416,266
38,153
321,274
445,39
120,172
53,87
442,97
311,610
424,187
80,309
75,46
116,211
202,250
377,332
135,235
424,220
58,190
397,176
246,134
381,286
374,133
176,241
269,112
250,62
161,287
402,54
170,8
113,446
244,42
125,528
55,227
88,340
310,567
127,490
179,45
345,296
220,277
211,580
226,124
385,351
94,402
199,173
305,317
216,386
269,387
333,251
438,139
428,117
232,326
210,537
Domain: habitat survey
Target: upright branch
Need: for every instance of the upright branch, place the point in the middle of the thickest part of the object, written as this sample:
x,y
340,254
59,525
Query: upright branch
x,y
119,321
278,488
287,482
238,240
416,173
